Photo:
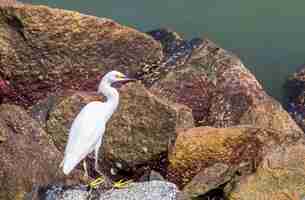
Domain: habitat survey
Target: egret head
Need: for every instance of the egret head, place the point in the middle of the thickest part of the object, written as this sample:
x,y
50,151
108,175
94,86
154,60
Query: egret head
x,y
115,76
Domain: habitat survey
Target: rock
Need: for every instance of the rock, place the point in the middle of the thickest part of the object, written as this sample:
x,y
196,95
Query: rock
x,y
60,112
4,90
152,190
176,52
144,191
280,175
221,92
155,176
185,86
28,156
206,157
62,192
138,132
45,50
5,3
209,179
295,87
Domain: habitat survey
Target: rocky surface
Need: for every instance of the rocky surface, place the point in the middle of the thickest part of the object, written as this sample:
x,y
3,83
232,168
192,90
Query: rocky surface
x,y
5,3
295,87
220,91
281,175
144,191
176,52
45,50
152,190
252,148
28,156
140,130
206,157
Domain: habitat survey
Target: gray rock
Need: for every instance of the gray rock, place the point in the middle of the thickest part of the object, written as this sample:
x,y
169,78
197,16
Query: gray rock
x,y
153,190
62,192
155,176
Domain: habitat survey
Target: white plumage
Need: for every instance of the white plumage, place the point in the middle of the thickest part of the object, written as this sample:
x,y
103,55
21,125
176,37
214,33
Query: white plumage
x,y
88,127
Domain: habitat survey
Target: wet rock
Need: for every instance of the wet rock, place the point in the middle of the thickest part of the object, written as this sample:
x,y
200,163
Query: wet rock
x,y
280,175
176,52
295,88
28,156
138,132
45,50
233,152
144,191
221,92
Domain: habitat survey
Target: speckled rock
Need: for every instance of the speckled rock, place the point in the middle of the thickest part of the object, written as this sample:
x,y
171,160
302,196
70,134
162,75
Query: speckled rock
x,y
240,148
44,50
281,175
28,156
176,52
221,92
139,131
153,190
295,89
62,192
144,191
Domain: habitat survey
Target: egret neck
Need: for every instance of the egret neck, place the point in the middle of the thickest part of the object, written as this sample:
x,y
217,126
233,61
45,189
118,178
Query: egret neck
x,y
111,94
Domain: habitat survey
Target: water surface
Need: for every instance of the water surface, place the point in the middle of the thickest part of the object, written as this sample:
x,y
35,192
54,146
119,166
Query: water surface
x,y
266,35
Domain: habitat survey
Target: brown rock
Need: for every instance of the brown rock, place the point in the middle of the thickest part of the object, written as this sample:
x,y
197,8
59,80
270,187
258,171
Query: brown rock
x,y
44,50
221,92
240,148
281,175
28,157
211,178
139,131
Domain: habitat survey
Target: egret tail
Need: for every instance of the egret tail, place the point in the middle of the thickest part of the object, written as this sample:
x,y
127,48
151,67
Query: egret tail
x,y
70,161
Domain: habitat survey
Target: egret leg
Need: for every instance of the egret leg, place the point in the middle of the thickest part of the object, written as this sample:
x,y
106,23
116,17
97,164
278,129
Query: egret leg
x,y
102,179
85,169
96,150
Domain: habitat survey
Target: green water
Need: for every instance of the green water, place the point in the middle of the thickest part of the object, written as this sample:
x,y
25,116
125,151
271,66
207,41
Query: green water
x,y
268,35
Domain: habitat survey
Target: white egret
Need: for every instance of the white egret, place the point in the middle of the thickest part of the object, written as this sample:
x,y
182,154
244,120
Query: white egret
x,y
88,127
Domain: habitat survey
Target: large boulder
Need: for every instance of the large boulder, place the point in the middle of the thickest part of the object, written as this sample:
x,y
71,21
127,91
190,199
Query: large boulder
x,y
221,92
44,50
139,131
205,158
28,156
281,174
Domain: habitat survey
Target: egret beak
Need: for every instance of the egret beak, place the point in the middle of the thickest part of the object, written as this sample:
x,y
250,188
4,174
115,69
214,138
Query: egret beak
x,y
123,81
129,79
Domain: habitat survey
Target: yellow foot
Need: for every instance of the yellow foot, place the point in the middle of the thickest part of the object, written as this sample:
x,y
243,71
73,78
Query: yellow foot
x,y
121,184
94,184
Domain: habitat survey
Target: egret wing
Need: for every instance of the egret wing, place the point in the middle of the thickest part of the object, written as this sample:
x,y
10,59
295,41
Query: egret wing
x,y
86,130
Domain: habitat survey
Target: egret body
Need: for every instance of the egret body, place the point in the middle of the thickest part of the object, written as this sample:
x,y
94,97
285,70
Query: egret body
x,y
88,127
